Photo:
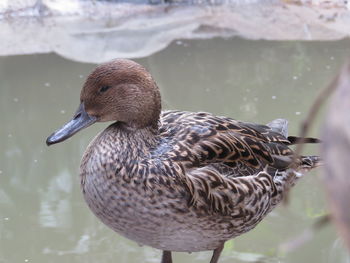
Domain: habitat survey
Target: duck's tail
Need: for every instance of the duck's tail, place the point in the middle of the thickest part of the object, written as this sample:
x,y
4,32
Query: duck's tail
x,y
309,162
304,163
281,126
284,180
298,140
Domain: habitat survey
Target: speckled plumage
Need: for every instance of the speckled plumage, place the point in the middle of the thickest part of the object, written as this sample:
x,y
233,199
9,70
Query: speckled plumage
x,y
175,180
193,184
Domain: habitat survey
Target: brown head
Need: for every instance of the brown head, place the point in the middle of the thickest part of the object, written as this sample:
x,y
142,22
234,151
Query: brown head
x,y
120,90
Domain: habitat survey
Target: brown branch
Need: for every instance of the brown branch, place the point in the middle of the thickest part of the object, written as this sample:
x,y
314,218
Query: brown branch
x,y
315,108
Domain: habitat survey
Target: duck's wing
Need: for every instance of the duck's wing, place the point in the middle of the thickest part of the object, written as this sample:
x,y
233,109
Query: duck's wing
x,y
231,147
245,199
237,170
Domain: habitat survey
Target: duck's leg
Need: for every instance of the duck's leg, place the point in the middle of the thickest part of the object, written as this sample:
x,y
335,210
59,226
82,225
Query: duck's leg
x,y
216,253
166,258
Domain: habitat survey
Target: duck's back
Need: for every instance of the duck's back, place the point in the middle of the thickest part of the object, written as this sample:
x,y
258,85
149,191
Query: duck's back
x,y
235,148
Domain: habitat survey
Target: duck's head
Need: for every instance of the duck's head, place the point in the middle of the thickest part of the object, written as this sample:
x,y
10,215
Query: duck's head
x,y
120,90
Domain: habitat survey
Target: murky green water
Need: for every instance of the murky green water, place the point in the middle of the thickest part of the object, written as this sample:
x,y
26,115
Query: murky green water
x,y
43,217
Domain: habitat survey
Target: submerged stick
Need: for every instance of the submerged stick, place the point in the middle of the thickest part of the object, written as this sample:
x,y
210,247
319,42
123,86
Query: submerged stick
x,y
310,118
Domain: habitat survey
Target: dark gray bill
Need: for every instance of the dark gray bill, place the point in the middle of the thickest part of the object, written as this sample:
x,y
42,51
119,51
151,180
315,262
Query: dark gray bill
x,y
80,121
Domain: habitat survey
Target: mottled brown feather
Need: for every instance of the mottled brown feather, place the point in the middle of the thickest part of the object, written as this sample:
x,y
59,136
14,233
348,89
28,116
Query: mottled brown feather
x,y
213,177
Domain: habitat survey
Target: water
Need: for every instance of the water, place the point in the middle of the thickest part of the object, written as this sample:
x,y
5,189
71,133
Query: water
x,y
43,217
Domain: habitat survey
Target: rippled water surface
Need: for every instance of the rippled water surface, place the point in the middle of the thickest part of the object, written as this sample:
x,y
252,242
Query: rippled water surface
x,y
43,217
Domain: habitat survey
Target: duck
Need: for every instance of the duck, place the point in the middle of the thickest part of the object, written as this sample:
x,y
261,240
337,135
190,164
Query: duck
x,y
174,180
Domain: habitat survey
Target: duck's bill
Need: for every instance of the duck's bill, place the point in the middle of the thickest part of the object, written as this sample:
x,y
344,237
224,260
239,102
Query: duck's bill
x,y
80,121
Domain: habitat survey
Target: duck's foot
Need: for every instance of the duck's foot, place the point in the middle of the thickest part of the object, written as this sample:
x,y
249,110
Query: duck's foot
x,y
217,253
166,258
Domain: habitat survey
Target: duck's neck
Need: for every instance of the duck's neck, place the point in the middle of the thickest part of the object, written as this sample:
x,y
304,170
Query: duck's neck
x,y
117,150
132,144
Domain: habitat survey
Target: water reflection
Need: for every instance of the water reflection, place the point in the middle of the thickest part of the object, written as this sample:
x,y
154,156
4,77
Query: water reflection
x,y
43,217
55,208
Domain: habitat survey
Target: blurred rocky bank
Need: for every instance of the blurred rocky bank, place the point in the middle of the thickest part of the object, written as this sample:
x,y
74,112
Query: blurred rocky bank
x,y
95,31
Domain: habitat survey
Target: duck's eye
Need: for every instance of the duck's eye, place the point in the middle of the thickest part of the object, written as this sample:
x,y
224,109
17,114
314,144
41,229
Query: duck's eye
x,y
104,88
